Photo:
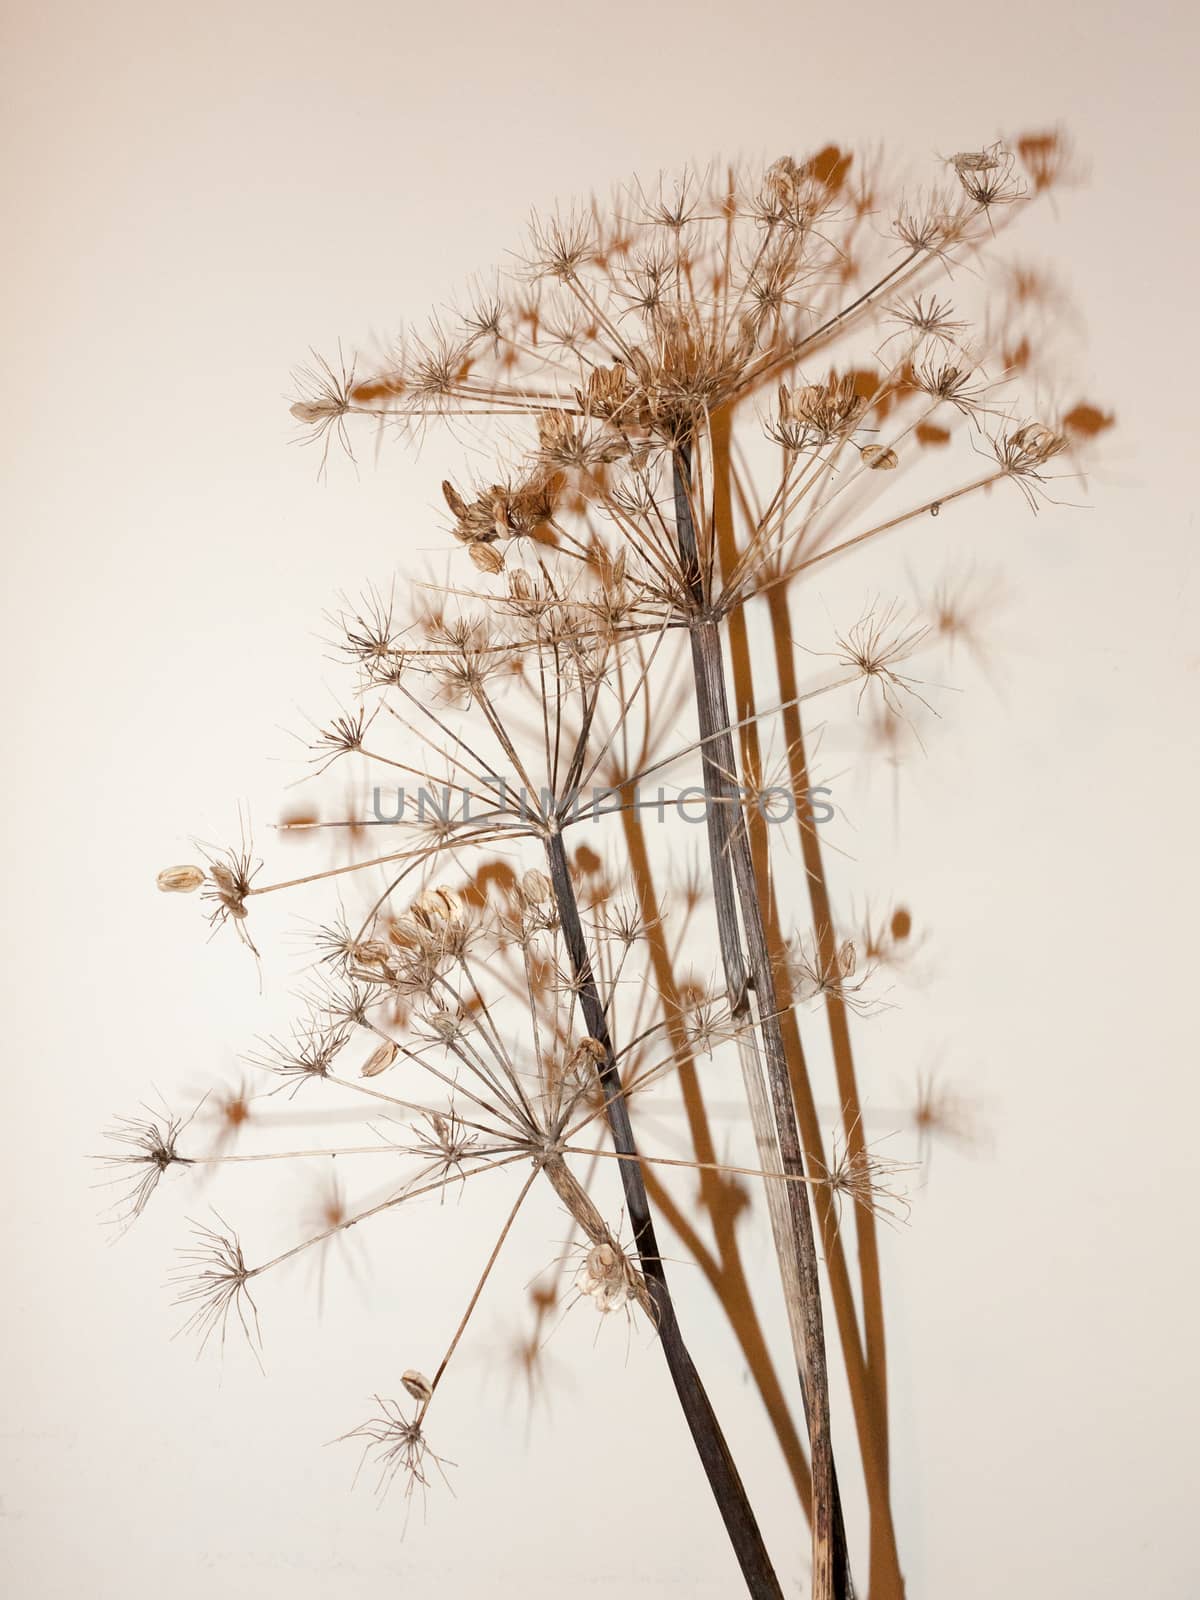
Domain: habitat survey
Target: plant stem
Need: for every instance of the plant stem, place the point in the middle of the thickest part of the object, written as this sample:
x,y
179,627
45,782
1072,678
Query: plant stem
x,y
866,1367
735,887
715,1457
723,1267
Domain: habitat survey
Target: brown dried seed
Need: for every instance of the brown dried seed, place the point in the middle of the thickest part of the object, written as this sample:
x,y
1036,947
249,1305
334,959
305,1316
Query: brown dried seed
x,y
311,412
417,1384
379,1060
487,558
435,906
974,161
879,458
453,499
372,953
180,880
536,888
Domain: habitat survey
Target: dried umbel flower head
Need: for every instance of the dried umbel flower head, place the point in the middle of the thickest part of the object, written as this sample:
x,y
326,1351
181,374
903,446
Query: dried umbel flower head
x,y
504,510
315,1044
1031,446
227,886
987,176
180,880
619,518
398,1447
607,1277
149,1149
822,968
325,399
817,414
1023,452
874,649
866,1179
212,1280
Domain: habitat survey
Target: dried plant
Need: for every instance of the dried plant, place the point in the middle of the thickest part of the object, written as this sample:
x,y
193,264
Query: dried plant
x,y
691,400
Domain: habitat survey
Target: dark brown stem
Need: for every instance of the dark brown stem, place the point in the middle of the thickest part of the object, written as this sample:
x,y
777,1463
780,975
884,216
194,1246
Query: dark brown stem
x,y
715,1457
735,887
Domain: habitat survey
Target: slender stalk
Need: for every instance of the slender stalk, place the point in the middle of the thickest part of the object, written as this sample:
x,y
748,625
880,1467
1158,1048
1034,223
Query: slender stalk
x,y
735,888
724,1269
711,1447
885,1577
865,1369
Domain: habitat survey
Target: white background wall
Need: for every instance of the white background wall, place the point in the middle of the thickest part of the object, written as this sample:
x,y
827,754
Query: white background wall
x,y
193,195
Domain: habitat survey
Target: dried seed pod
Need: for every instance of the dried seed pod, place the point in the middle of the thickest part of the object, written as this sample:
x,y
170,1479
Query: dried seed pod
x,y
607,1278
975,160
487,558
434,907
446,1024
879,457
312,412
454,500
180,880
418,1385
379,1060
558,433
608,390
230,889
536,888
372,953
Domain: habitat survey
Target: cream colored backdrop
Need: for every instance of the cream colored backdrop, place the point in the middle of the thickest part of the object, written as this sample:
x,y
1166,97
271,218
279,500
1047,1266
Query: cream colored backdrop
x,y
192,196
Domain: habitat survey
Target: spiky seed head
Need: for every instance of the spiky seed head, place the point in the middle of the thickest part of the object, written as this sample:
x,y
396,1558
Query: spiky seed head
x,y
446,1024
608,1278
231,884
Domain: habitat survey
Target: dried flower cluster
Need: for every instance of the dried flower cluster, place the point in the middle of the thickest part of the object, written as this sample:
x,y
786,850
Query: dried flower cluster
x,y
691,399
